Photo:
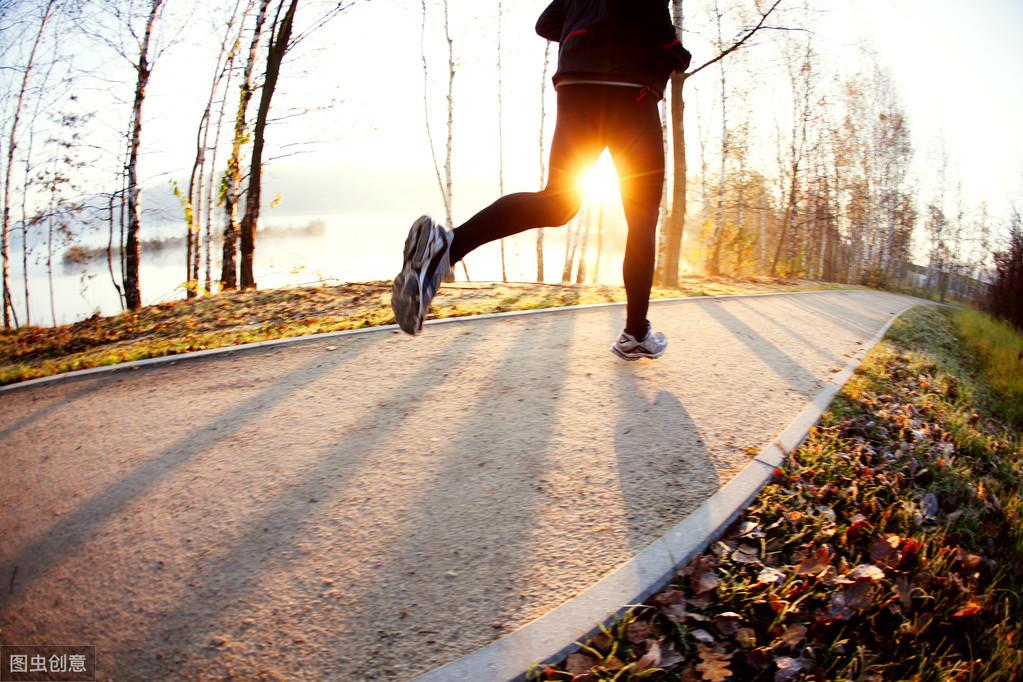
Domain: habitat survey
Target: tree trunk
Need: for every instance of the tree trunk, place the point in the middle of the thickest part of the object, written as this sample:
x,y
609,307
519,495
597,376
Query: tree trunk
x,y
277,49
543,155
132,290
12,145
195,182
500,133
676,221
228,266
110,249
714,262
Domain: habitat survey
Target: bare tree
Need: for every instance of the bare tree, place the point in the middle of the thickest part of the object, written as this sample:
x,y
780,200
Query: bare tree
x,y
232,193
280,35
800,64
193,206
543,153
281,42
12,145
445,182
677,216
500,129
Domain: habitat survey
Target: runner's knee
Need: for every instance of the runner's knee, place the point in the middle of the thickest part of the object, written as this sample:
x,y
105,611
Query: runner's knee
x,y
561,206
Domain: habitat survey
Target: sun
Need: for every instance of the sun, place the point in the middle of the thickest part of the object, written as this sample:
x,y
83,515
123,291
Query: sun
x,y
599,182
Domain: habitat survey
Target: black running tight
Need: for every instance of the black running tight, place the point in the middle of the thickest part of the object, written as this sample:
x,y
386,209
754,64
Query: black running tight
x,y
591,118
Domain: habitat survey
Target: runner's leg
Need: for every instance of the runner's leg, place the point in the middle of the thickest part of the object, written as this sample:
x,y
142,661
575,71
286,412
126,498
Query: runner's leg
x,y
577,143
634,138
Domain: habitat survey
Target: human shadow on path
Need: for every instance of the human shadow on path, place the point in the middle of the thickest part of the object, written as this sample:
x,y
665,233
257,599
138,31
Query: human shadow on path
x,y
72,530
832,309
787,329
798,377
269,543
664,468
60,396
484,523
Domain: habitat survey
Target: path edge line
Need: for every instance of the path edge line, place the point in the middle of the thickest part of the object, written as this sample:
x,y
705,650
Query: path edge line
x,y
193,355
555,634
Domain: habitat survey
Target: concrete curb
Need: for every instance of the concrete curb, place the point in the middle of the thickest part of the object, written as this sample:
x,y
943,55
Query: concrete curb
x,y
553,635
368,330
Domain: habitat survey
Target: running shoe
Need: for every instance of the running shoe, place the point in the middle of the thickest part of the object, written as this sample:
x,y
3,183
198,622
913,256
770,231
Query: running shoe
x,y
652,346
427,263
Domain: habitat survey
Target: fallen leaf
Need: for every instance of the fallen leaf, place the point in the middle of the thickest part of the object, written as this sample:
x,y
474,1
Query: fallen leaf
x,y
746,554
770,576
788,668
746,527
727,623
794,634
816,562
579,663
637,631
884,547
746,637
612,663
830,577
972,608
857,525
929,507
858,596
676,613
905,591
669,655
651,659
866,572
601,641
713,665
668,596
703,636
706,582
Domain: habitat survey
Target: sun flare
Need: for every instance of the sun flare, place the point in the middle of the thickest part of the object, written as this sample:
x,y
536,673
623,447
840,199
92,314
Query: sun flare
x,y
599,182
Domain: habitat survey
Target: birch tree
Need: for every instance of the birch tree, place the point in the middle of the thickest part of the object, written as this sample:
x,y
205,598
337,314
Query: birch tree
x,y
675,223
280,35
193,208
12,145
233,176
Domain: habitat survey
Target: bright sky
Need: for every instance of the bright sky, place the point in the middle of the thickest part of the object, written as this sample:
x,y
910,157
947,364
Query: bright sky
x,y
956,64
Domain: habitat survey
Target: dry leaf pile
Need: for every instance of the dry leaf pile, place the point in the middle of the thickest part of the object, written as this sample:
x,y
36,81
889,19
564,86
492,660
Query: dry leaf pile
x,y
890,547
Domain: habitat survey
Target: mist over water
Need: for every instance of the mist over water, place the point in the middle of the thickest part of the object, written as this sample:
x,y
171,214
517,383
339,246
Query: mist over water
x,y
352,247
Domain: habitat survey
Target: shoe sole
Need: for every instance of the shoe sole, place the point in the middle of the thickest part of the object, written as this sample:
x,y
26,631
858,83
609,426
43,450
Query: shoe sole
x,y
407,289
635,356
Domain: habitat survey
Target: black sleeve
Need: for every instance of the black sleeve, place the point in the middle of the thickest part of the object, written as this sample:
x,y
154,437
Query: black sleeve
x,y
652,20
551,21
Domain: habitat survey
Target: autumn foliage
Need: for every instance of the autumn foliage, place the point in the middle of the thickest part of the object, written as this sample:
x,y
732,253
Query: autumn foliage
x,y
888,548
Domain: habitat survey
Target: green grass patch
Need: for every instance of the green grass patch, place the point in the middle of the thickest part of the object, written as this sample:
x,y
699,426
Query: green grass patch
x,y
889,547
998,348
233,318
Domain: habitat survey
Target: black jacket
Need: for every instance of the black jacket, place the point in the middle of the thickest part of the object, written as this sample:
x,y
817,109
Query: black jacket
x,y
622,41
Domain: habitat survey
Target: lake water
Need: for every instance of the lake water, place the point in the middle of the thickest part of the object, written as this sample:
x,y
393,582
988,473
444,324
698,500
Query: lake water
x,y
351,248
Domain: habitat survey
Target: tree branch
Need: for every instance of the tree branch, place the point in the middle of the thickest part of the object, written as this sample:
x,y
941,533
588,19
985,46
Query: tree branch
x,y
739,43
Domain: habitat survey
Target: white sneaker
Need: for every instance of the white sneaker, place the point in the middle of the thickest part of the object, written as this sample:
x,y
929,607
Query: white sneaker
x,y
426,265
651,346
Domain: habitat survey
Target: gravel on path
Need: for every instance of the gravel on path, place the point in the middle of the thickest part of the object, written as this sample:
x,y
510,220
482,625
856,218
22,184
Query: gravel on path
x,y
373,506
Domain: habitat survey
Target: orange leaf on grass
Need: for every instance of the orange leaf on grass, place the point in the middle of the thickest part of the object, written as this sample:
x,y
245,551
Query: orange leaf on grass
x,y
713,665
816,562
972,608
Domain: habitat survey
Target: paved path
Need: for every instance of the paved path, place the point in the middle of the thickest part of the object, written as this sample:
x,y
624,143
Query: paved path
x,y
372,506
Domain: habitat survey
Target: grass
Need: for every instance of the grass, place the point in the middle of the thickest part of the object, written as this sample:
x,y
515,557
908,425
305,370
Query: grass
x,y
889,547
244,317
999,352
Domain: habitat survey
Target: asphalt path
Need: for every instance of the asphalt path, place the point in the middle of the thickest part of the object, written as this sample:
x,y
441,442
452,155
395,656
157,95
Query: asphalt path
x,y
372,506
